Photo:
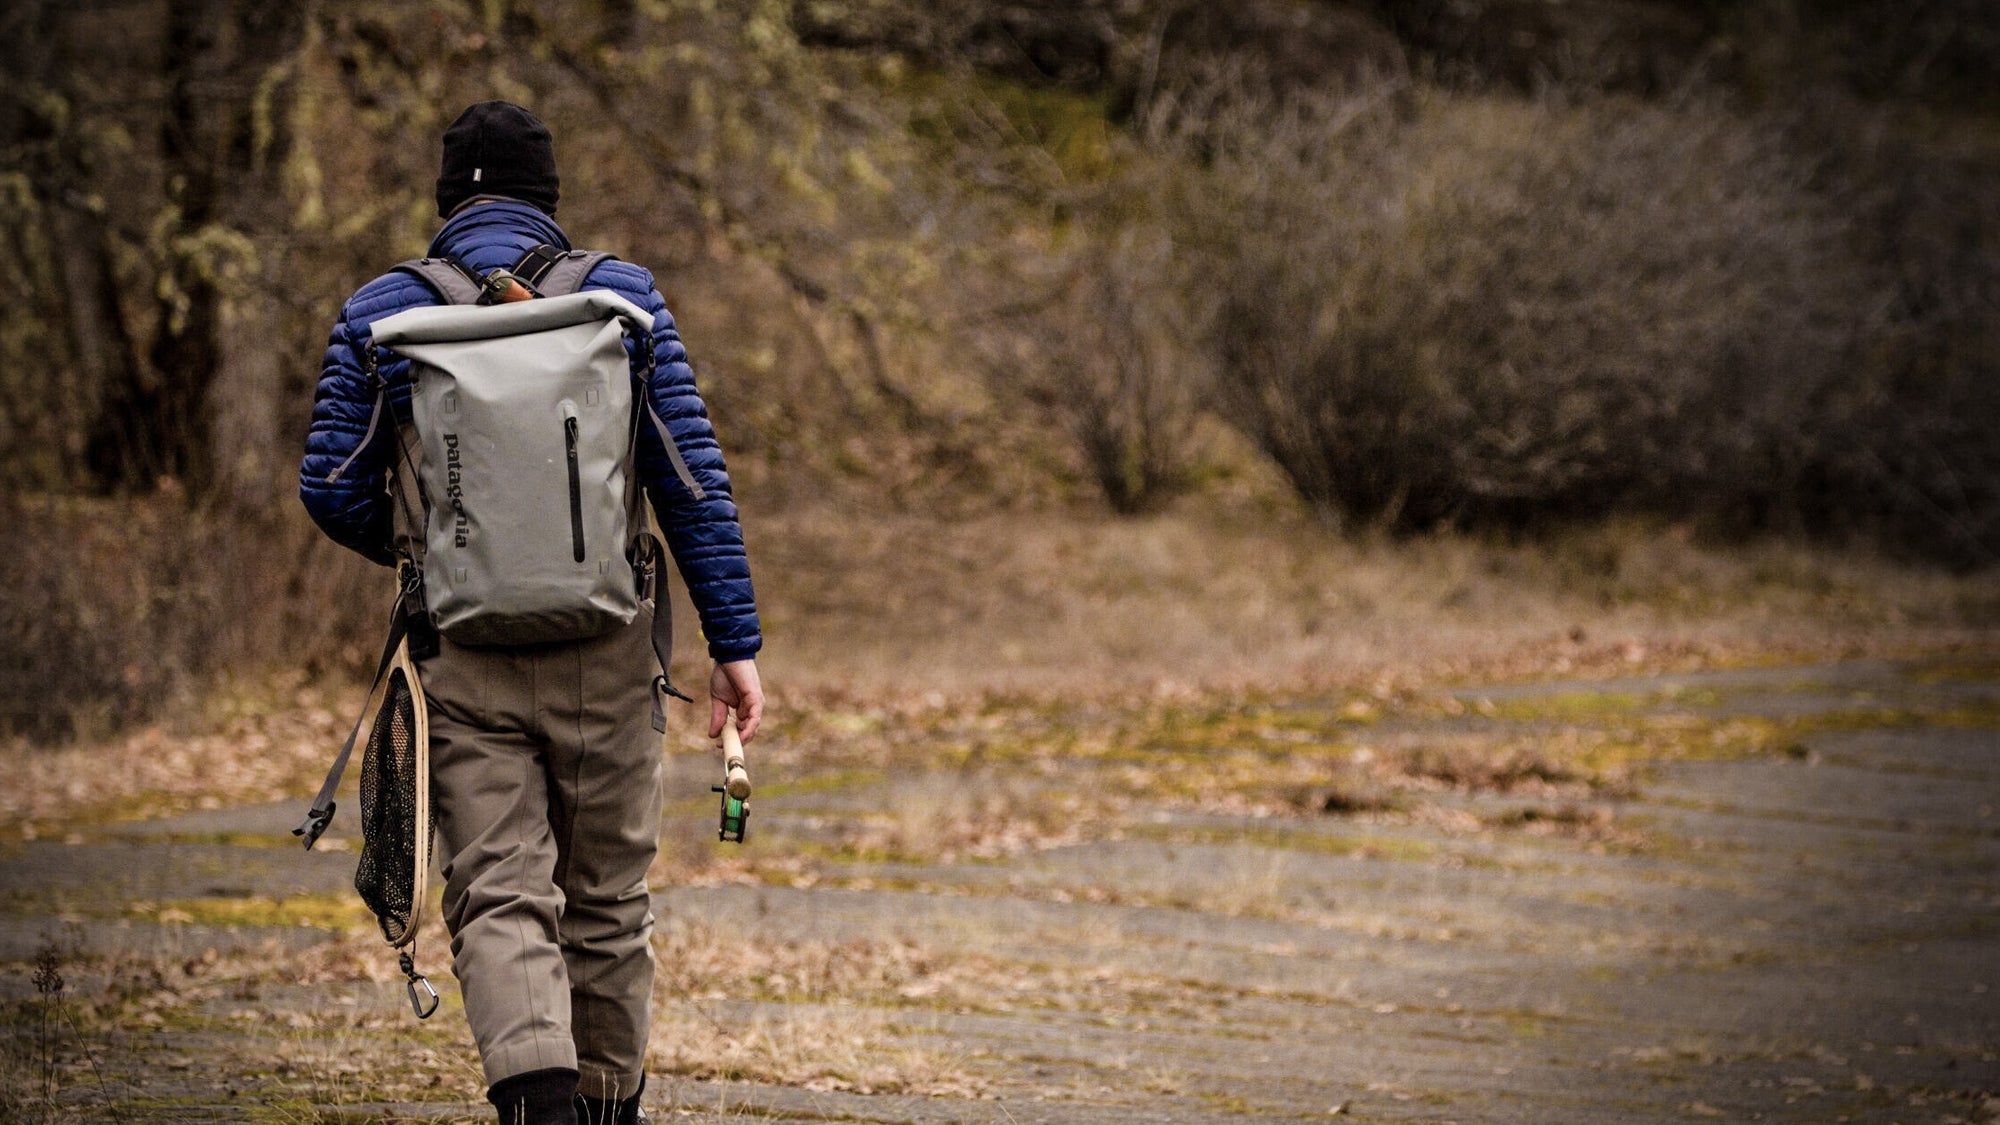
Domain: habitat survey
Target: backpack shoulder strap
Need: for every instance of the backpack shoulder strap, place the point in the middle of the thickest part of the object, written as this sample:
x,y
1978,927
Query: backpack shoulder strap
x,y
446,276
536,264
563,274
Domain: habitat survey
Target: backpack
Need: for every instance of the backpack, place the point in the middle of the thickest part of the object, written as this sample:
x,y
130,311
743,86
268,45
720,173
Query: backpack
x,y
534,519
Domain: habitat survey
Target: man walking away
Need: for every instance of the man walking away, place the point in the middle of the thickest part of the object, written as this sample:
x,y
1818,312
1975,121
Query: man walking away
x,y
546,773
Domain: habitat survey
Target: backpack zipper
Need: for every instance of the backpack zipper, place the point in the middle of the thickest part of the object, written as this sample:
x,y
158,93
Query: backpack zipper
x,y
575,482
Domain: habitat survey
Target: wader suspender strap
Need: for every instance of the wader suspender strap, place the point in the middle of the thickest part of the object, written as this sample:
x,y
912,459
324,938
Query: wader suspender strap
x,y
321,813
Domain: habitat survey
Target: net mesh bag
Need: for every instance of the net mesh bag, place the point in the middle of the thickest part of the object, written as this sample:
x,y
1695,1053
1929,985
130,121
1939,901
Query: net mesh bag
x,y
396,817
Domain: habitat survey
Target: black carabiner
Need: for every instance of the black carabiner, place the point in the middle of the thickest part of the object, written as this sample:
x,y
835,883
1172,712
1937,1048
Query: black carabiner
x,y
417,999
416,981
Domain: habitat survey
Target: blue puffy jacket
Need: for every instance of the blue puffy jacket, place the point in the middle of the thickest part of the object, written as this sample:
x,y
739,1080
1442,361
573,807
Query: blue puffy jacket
x,y
354,509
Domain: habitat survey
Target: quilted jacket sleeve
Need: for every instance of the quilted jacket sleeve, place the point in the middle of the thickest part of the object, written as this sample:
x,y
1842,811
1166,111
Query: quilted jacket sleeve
x,y
342,479
703,532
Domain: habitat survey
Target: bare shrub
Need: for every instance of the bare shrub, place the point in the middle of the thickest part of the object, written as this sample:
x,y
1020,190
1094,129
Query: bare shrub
x,y
117,608
1909,447
1530,44
1488,311
1120,373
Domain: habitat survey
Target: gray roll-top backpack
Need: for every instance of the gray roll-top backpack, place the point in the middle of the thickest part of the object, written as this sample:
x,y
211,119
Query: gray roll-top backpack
x,y
520,449
534,526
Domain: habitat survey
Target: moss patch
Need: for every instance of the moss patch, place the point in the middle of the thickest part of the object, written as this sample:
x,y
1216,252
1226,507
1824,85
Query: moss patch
x,y
342,913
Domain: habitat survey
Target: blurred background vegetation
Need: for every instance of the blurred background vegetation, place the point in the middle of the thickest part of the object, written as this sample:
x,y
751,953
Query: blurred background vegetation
x,y
1394,267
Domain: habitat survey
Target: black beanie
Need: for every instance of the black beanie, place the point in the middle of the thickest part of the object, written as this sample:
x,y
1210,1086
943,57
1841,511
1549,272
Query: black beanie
x,y
498,148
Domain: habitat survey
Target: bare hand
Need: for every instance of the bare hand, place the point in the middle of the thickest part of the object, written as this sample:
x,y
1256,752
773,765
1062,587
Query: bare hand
x,y
735,684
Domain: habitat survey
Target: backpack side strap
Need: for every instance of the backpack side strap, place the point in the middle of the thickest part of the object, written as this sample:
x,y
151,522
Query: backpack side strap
x,y
447,277
649,567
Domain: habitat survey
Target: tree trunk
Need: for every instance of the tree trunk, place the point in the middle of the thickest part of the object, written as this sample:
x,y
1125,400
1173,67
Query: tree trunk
x,y
100,339
157,423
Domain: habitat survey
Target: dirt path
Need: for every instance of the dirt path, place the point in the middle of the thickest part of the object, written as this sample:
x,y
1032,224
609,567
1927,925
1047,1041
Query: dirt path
x,y
1804,932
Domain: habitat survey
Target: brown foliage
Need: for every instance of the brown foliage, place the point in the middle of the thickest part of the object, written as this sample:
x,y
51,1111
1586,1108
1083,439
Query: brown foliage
x,y
116,609
1484,311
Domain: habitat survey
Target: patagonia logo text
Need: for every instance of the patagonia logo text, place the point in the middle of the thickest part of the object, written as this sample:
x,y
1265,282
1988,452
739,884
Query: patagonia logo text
x,y
454,491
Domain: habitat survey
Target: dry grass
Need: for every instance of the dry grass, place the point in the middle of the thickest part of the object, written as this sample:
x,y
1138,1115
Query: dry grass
x,y
837,1047
245,745
952,784
152,1036
901,642
856,1016
825,1017
982,815
702,964
896,608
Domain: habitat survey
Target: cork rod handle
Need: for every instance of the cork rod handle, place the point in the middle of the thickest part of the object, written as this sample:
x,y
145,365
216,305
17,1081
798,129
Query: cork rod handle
x,y
736,781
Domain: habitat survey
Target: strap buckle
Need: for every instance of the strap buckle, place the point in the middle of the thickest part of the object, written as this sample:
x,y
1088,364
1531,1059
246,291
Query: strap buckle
x,y
499,287
315,824
415,616
664,687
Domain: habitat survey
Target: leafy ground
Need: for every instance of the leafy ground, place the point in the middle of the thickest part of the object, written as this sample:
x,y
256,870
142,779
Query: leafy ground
x,y
1752,893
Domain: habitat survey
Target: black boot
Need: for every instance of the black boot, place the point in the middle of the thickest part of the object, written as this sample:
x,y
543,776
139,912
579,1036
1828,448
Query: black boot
x,y
624,1111
539,1097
